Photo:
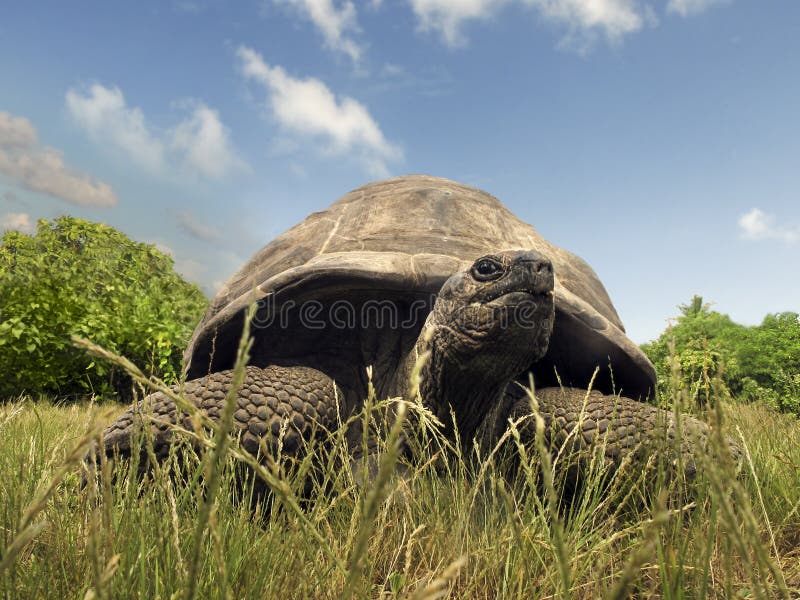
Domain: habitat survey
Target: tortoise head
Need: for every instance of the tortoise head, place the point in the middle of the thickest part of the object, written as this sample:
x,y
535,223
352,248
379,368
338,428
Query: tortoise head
x,y
497,315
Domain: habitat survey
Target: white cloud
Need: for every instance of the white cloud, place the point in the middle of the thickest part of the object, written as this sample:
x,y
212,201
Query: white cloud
x,y
448,16
106,117
206,144
201,142
687,8
16,132
758,225
19,222
334,23
190,224
583,19
41,169
614,18
308,107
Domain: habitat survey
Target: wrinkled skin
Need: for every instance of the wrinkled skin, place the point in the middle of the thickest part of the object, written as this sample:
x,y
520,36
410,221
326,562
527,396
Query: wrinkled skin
x,y
489,323
484,330
578,422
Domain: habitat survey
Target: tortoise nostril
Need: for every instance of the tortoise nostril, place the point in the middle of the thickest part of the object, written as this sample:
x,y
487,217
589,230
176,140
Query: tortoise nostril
x,y
543,267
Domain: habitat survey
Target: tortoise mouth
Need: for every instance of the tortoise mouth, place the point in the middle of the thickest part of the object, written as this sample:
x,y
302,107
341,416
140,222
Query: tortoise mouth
x,y
519,296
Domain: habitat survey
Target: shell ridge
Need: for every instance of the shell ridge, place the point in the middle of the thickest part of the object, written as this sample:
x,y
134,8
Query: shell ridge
x,y
333,231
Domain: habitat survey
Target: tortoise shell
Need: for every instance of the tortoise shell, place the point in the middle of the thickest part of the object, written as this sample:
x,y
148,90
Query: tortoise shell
x,y
350,287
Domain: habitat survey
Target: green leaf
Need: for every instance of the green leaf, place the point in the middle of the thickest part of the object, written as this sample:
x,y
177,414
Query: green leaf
x,y
75,276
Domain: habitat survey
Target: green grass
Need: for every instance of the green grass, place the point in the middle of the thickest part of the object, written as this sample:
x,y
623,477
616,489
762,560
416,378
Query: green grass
x,y
444,529
451,525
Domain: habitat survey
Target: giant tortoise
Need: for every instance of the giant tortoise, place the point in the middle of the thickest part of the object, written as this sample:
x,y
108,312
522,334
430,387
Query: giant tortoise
x,y
412,267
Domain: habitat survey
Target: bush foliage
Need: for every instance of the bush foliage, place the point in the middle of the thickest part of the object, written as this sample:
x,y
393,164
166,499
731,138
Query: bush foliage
x,y
706,348
78,277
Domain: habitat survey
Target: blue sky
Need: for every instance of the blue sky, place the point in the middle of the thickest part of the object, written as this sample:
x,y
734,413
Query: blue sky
x,y
659,140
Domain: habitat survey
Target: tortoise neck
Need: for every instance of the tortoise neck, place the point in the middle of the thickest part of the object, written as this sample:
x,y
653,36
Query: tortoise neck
x,y
455,383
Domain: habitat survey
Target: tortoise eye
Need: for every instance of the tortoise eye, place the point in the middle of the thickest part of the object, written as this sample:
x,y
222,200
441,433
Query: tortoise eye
x,y
487,269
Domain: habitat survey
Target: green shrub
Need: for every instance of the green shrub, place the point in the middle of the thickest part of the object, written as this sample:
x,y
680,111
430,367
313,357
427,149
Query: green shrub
x,y
752,363
788,385
84,278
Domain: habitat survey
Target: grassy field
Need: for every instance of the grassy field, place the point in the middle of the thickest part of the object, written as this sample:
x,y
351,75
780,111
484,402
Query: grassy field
x,y
458,530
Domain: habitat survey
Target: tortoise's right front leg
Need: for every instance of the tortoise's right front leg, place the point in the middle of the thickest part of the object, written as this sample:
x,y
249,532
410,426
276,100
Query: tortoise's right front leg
x,y
302,400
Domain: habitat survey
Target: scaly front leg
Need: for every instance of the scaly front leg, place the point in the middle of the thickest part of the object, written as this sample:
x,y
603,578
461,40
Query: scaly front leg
x,y
624,428
300,399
